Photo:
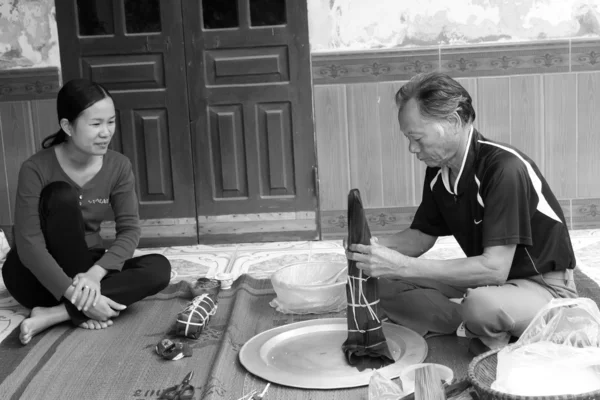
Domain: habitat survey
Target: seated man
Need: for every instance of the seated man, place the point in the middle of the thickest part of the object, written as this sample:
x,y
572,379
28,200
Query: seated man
x,y
493,199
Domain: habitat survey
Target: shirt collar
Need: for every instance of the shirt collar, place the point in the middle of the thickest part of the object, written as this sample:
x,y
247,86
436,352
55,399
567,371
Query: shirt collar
x,y
467,162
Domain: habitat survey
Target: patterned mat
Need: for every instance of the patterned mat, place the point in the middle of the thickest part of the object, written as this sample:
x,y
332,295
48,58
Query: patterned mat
x,y
260,260
54,366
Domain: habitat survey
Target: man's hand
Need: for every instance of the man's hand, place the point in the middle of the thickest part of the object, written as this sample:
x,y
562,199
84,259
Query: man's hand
x,y
378,261
104,310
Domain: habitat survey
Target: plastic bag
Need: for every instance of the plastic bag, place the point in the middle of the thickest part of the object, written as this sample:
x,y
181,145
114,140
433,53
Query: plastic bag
x,y
559,352
382,388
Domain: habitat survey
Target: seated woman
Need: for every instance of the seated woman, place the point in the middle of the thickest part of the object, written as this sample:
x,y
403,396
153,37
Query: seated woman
x,y
58,267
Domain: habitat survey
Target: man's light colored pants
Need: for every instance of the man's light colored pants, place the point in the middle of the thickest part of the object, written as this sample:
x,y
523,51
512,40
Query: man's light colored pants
x,y
492,313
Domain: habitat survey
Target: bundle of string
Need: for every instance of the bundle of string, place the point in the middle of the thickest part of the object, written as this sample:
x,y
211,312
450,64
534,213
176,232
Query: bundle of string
x,y
360,300
428,385
202,307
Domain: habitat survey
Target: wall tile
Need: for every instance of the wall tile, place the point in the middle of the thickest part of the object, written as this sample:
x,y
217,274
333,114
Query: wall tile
x,y
566,208
588,134
513,59
19,145
586,213
365,143
398,177
6,212
29,83
493,95
373,66
331,132
560,126
45,122
526,116
470,84
381,220
585,55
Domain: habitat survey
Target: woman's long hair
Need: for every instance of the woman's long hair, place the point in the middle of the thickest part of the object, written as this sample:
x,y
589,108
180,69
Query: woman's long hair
x,y
73,98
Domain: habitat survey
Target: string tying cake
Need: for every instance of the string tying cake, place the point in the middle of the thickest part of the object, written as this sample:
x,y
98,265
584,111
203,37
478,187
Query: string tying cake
x,y
195,316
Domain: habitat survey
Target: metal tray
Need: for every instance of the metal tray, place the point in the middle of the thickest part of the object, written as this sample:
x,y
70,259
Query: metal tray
x,y
309,355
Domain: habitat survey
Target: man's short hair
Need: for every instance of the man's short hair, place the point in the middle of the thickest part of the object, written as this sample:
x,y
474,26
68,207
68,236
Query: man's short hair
x,y
438,96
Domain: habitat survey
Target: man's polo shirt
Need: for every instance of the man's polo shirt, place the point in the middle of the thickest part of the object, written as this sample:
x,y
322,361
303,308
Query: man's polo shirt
x,y
499,198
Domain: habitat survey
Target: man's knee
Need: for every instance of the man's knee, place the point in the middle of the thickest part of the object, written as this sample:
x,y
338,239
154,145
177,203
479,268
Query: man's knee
x,y
482,312
391,288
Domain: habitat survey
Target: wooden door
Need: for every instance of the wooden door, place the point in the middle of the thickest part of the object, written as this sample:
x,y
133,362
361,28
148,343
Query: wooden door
x,y
135,49
250,96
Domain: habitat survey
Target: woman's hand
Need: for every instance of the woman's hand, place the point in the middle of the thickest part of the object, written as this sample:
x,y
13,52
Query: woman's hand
x,y
378,261
104,309
87,291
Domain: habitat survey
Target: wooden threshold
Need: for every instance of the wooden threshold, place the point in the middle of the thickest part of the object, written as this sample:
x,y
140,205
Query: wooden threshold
x,y
262,227
234,228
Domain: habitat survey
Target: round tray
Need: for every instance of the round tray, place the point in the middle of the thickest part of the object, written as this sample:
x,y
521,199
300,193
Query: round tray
x,y
309,354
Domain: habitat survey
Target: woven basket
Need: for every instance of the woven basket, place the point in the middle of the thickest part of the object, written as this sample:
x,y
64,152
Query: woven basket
x,y
482,373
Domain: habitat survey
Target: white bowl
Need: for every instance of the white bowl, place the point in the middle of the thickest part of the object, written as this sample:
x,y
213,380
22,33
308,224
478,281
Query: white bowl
x,y
311,287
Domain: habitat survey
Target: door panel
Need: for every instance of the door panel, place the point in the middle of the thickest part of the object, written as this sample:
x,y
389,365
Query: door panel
x,y
135,49
227,148
244,66
250,105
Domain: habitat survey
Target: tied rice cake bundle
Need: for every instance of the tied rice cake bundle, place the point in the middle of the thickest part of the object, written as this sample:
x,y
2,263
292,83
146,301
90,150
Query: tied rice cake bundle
x,y
366,345
192,320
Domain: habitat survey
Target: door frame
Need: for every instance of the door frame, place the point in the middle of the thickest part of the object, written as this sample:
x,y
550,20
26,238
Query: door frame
x,y
262,225
255,227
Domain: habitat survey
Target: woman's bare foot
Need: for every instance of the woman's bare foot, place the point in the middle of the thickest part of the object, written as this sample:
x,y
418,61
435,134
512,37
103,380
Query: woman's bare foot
x,y
93,324
40,319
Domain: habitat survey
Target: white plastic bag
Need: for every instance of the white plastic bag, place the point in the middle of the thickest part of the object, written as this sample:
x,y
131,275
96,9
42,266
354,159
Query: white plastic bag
x,y
382,388
558,354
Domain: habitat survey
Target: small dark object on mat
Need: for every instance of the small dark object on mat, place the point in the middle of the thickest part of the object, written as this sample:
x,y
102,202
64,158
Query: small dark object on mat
x,y
206,285
183,391
428,385
170,350
366,346
192,320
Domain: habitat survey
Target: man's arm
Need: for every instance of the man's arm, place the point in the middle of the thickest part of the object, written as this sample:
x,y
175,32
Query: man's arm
x,y
410,242
490,268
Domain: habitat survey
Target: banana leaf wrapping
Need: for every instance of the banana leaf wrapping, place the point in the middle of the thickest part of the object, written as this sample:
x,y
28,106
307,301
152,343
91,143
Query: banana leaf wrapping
x,y
366,346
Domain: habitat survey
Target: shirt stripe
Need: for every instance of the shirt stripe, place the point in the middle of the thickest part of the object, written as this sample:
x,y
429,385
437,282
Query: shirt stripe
x,y
543,205
479,199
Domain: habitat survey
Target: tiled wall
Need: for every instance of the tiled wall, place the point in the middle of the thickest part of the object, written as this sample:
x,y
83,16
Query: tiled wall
x,y
27,116
544,98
